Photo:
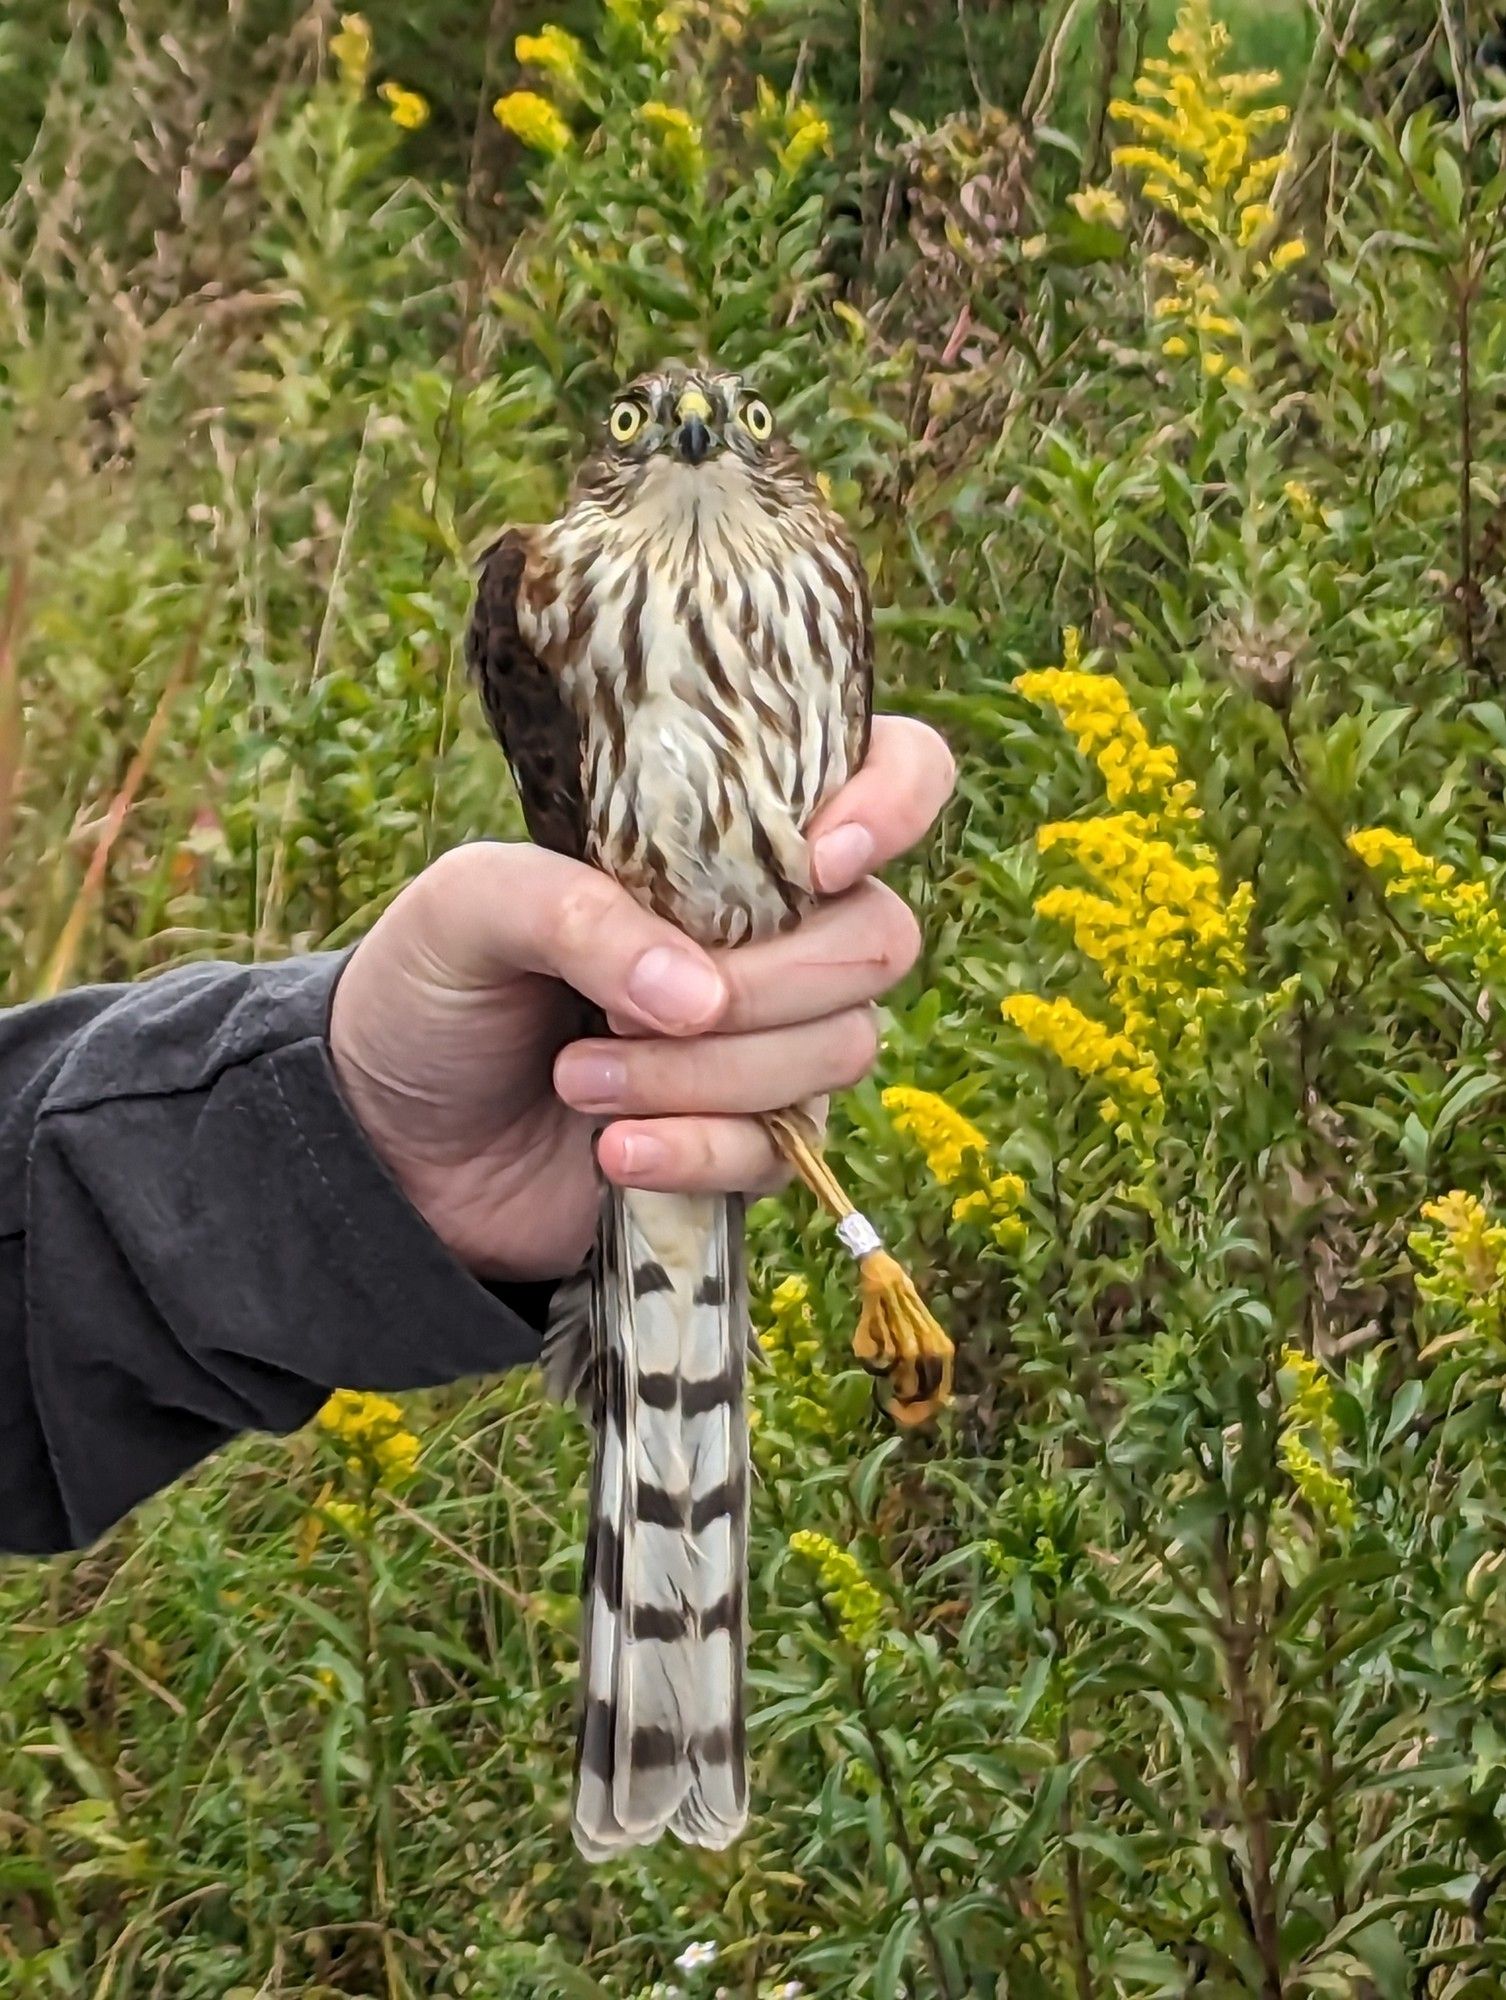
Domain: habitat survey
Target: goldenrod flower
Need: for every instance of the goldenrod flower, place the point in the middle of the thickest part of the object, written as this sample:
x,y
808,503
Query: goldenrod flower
x,y
858,1606
1471,925
1086,1046
1194,125
792,1347
1461,1258
534,120
1160,931
378,1444
994,1207
406,107
657,26
1309,1440
1097,711
955,1150
678,134
1261,174
945,1137
1155,922
555,51
351,49
1286,254
791,1295
1098,204
1194,150
809,134
1254,219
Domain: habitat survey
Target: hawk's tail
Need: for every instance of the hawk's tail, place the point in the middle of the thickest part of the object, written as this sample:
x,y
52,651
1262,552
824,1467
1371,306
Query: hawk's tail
x,y
662,1649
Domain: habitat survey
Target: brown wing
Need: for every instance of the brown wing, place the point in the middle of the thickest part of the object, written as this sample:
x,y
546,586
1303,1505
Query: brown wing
x,y
524,705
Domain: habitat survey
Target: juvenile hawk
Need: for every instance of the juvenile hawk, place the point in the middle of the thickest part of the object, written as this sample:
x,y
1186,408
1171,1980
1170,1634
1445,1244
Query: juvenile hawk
x,y
680,671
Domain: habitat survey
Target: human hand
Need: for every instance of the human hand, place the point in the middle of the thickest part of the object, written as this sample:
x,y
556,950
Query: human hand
x,y
452,1029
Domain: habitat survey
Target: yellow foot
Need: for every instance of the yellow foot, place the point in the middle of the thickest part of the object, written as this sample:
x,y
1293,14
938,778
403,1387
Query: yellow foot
x,y
898,1337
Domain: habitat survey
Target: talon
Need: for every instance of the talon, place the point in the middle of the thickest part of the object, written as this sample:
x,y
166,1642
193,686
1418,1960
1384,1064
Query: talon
x,y
930,1375
913,1415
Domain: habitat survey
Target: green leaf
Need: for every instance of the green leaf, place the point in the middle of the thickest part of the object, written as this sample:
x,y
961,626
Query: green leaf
x,y
889,1966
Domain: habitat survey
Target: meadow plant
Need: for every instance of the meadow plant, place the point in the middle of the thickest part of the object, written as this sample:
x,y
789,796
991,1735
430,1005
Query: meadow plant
x,y
1174,1660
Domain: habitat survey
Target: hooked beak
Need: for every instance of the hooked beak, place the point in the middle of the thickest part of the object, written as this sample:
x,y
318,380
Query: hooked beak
x,y
693,441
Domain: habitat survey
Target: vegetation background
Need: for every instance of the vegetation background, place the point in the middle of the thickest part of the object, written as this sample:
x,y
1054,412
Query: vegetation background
x,y
1174,1661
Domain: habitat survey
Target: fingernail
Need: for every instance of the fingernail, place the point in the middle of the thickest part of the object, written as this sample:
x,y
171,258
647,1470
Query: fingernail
x,y
590,1079
643,1154
674,989
841,856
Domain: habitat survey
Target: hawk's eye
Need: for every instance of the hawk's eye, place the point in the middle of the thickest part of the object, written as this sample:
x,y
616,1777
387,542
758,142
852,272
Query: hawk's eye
x,y
625,422
757,419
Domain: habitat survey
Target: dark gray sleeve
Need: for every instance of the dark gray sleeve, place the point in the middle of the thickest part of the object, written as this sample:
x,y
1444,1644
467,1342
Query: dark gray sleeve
x,y
196,1240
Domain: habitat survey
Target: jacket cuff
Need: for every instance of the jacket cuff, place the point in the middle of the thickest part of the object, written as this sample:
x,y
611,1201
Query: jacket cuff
x,y
400,1311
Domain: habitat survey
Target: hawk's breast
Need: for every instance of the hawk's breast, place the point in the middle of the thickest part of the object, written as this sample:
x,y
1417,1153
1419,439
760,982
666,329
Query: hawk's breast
x,y
707,643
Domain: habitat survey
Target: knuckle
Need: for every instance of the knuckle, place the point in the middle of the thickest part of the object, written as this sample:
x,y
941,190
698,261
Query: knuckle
x,y
460,868
766,1171
581,907
701,1154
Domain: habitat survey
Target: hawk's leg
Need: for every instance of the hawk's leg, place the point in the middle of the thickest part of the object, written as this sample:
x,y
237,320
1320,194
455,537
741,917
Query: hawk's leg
x,y
896,1336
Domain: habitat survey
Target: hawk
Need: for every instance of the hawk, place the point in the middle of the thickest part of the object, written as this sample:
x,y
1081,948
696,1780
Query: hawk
x,y
680,670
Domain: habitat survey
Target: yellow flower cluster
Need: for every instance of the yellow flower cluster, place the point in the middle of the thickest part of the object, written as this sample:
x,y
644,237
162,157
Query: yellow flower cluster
x,y
1195,155
656,25
1197,129
1099,204
858,1607
679,136
954,1148
406,107
553,50
378,1445
792,1348
796,130
947,1139
1097,711
1306,506
351,49
1461,1259
1309,1441
809,134
1470,922
534,120
1161,933
994,1207
1155,923
1088,1047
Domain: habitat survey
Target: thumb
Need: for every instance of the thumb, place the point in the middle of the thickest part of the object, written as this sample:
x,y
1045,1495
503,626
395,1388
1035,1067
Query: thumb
x,y
490,910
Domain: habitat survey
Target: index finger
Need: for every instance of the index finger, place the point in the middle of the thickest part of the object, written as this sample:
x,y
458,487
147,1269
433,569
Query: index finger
x,y
885,807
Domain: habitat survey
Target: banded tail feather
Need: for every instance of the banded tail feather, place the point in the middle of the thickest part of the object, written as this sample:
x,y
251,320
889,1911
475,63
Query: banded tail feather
x,y
660,1361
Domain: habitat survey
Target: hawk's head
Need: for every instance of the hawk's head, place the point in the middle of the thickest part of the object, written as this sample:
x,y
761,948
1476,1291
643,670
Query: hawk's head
x,y
682,437
692,415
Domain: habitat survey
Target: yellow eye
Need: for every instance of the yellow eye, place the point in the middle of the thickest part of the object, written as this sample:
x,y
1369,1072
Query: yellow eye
x,y
757,419
625,422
